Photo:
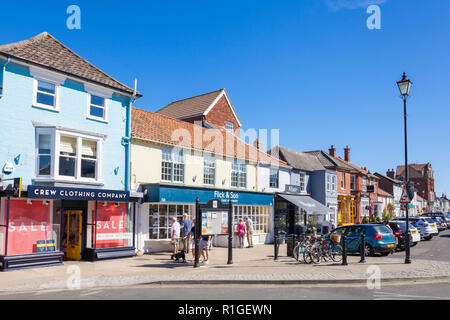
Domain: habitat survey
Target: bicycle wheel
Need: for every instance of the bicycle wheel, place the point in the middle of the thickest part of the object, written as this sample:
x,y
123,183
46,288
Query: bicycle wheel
x,y
306,254
316,254
336,253
296,252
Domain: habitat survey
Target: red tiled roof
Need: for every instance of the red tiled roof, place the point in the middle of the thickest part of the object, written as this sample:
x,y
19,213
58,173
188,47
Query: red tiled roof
x,y
190,107
45,51
155,127
383,193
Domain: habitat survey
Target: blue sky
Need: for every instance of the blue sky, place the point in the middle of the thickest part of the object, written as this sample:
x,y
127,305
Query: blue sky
x,y
310,68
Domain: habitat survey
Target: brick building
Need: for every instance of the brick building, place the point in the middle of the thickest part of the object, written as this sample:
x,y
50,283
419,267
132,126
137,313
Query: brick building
x,y
423,177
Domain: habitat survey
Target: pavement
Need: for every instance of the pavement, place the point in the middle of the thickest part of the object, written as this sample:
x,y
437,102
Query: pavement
x,y
251,266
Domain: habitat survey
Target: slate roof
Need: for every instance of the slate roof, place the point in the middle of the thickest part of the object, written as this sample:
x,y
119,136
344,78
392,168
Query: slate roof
x,y
190,107
155,127
329,161
45,51
298,160
396,181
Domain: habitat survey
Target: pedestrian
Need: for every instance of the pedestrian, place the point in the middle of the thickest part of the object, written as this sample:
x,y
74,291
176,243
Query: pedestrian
x,y
249,228
332,226
175,235
241,232
192,236
204,247
186,226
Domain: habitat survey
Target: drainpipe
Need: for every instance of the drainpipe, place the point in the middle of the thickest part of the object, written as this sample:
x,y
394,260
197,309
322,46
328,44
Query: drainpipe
x,y
3,76
128,140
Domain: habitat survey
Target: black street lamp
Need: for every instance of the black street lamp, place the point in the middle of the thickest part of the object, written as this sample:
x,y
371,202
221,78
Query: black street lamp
x,y
404,86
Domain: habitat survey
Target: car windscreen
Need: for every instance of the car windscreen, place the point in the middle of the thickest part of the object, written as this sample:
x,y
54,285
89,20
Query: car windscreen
x,y
430,220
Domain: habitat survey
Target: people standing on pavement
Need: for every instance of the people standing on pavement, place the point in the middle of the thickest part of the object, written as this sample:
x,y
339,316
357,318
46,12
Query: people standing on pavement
x,y
249,227
186,226
175,235
204,248
241,232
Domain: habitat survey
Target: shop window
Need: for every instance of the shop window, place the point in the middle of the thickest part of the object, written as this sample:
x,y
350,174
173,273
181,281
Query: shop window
x,y
33,227
110,225
260,216
160,218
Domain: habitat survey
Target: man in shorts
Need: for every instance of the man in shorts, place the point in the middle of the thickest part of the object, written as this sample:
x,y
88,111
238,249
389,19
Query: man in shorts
x,y
175,235
249,228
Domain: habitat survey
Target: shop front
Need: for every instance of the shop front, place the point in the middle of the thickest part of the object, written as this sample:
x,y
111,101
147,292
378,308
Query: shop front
x,y
162,202
294,213
50,224
346,210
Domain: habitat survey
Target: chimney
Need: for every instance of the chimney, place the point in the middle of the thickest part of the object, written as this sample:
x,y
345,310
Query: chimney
x,y
259,145
332,151
391,174
347,154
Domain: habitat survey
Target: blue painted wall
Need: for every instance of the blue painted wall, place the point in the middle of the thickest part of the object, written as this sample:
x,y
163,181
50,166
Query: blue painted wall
x,y
18,134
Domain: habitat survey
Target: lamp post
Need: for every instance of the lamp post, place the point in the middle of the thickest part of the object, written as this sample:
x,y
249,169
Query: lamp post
x,y
404,86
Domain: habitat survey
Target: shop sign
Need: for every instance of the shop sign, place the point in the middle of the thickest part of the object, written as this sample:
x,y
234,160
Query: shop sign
x,y
49,192
292,188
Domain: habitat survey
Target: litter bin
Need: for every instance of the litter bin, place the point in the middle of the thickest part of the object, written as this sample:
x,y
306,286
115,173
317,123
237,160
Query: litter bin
x,y
290,244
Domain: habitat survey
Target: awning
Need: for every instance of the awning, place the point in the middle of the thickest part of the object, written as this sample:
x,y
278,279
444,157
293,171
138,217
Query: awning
x,y
308,204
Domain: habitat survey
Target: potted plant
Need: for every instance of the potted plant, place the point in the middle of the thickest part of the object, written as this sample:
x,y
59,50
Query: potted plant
x,y
365,220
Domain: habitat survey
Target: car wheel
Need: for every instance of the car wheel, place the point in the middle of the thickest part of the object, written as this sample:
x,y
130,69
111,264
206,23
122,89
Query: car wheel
x,y
368,251
428,238
413,244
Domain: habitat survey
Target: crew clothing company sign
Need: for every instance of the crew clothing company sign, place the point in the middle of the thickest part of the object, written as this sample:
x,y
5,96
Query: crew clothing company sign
x,y
48,192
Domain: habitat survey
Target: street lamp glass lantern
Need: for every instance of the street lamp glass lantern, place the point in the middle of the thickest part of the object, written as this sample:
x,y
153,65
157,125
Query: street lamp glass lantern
x,y
404,85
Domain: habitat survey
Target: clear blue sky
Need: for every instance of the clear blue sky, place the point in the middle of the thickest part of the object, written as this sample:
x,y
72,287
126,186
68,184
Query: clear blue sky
x,y
308,67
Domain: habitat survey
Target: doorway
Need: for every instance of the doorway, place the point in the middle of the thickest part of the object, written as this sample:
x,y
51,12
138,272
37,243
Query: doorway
x,y
72,239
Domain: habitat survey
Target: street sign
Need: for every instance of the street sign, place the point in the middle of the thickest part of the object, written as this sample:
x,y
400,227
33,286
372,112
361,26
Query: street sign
x,y
405,198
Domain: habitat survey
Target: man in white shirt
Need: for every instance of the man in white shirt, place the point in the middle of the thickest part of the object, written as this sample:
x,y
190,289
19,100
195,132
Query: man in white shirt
x,y
249,228
175,235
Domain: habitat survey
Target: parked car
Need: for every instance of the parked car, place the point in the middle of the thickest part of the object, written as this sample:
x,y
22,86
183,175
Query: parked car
x,y
427,230
444,216
399,229
378,238
434,220
441,224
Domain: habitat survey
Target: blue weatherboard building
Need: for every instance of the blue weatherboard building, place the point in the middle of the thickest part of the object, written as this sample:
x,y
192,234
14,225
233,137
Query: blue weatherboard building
x,y
66,126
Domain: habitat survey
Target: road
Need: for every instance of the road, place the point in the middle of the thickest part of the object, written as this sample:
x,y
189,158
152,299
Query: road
x,y
436,249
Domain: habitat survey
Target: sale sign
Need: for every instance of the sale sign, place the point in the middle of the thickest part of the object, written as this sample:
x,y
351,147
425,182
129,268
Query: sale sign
x,y
111,225
29,226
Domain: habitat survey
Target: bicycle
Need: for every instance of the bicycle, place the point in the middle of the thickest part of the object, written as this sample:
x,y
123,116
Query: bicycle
x,y
323,250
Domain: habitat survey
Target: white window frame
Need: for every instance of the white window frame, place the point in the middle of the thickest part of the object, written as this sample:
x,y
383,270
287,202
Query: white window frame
x,y
333,182
209,162
272,172
302,176
240,164
229,126
99,92
49,77
55,154
343,180
328,182
172,163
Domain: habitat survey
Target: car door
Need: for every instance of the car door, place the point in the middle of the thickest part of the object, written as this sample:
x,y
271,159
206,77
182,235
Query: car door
x,y
354,238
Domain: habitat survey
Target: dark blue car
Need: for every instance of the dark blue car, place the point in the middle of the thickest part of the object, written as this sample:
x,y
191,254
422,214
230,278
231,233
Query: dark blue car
x,y
378,238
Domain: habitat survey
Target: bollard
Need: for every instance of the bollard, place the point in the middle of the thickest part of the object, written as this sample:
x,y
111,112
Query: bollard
x,y
275,243
362,250
344,251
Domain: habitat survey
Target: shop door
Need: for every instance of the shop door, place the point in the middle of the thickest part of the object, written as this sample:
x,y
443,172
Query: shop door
x,y
73,235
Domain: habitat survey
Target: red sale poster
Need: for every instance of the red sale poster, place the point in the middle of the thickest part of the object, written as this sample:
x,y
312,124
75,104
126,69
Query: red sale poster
x,y
111,227
28,224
